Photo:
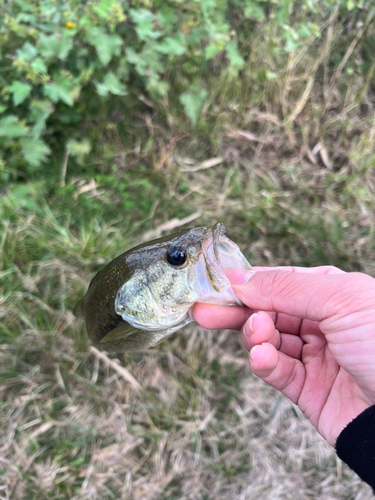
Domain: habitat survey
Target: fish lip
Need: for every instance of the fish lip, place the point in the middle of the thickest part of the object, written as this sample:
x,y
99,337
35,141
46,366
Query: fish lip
x,y
210,249
218,230
216,262
213,236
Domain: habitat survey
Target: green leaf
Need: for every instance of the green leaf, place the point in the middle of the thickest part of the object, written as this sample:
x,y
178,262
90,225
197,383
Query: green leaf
x,y
60,91
20,92
25,6
55,46
110,85
196,36
11,127
282,15
103,7
291,44
23,195
304,31
166,17
2,109
79,149
34,150
39,66
193,103
211,50
236,60
52,92
172,46
292,39
39,112
26,19
144,21
147,62
136,59
157,87
254,11
27,52
106,46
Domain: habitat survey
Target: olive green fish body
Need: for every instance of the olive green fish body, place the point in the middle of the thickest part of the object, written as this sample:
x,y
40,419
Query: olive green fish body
x,y
97,306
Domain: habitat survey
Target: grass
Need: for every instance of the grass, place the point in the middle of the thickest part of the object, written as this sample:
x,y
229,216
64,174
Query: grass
x,y
292,178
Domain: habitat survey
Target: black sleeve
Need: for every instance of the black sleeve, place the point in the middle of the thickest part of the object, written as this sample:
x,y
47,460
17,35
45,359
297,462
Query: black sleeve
x,y
356,445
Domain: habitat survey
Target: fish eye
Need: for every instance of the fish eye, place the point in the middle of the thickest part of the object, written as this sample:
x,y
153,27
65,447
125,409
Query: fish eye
x,y
176,256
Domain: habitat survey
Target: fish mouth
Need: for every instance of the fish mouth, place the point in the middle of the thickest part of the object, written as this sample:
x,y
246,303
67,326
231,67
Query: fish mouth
x,y
219,253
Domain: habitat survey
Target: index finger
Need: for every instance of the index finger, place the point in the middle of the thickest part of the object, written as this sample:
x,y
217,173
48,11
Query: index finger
x,y
221,317
309,296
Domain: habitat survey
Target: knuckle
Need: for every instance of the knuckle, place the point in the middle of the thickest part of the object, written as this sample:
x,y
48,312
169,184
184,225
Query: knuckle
x,y
361,289
334,270
351,293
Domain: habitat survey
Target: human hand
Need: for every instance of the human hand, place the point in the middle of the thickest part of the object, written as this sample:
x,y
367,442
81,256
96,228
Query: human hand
x,y
315,343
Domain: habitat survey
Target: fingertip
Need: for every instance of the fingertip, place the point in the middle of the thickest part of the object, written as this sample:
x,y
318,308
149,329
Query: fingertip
x,y
212,316
238,276
258,329
202,314
263,359
261,321
252,353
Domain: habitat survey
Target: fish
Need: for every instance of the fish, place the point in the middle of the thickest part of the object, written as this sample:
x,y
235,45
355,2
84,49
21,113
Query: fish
x,y
147,293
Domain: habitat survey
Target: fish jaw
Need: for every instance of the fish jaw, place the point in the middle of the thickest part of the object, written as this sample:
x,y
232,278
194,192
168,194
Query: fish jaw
x,y
219,253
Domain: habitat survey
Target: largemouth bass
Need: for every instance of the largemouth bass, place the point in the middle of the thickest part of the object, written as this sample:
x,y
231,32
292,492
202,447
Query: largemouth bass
x,y
147,293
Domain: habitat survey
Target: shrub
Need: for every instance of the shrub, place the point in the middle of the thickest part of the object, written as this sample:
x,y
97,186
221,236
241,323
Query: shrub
x,y
63,61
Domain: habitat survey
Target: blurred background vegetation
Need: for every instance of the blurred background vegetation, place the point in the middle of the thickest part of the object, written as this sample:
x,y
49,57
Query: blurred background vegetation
x,y
120,121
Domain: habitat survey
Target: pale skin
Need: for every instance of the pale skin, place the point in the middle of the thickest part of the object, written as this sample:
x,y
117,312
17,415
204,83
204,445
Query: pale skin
x,y
311,335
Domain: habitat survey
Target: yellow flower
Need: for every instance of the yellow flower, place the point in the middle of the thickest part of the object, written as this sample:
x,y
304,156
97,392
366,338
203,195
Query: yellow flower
x,y
69,25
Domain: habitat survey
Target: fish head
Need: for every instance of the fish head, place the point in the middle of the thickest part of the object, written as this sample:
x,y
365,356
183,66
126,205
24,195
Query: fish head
x,y
167,278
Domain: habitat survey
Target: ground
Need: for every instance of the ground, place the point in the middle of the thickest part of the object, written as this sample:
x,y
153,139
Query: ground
x,y
292,178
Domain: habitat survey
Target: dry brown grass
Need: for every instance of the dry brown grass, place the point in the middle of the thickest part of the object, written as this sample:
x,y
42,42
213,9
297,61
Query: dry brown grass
x,y
83,432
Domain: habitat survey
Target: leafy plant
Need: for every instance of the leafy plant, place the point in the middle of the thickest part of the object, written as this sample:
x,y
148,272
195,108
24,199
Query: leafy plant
x,y
65,61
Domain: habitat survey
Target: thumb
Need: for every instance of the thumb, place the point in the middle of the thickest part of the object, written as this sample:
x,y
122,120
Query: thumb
x,y
304,295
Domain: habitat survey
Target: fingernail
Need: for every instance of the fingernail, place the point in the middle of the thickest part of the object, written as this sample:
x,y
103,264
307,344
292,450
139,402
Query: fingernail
x,y
238,276
247,328
251,353
251,319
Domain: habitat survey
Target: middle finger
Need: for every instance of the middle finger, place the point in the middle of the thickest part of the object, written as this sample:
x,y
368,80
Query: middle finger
x,y
221,317
258,329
